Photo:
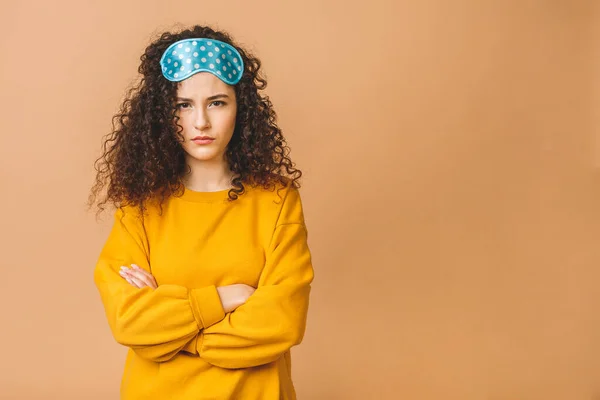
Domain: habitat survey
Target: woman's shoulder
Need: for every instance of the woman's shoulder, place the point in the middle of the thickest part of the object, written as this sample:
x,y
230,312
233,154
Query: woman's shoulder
x,y
279,187
281,199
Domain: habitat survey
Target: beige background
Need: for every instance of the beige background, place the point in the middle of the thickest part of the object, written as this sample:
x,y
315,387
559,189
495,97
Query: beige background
x,y
452,192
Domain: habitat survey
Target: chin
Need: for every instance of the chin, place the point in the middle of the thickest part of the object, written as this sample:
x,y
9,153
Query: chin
x,y
204,155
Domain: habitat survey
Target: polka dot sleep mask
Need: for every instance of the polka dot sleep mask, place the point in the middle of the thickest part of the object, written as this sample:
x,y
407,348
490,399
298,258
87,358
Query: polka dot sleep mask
x,y
187,57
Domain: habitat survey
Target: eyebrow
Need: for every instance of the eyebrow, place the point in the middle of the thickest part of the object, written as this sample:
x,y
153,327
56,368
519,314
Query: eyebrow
x,y
216,96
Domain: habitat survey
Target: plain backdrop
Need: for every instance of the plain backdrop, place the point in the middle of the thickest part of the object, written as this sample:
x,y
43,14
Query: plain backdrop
x,y
452,192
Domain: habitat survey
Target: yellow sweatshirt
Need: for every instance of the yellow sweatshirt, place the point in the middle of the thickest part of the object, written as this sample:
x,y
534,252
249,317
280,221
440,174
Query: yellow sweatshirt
x,y
181,343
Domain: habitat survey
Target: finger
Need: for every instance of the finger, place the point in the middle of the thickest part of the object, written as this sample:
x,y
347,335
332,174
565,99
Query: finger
x,y
141,276
126,273
150,280
128,279
134,280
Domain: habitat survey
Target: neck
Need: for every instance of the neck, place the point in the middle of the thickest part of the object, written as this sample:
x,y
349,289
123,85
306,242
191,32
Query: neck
x,y
208,176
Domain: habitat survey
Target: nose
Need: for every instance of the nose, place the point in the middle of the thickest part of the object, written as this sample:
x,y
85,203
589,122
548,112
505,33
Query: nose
x,y
201,120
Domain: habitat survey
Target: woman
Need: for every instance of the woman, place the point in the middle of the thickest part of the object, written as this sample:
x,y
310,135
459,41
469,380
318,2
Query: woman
x,y
206,272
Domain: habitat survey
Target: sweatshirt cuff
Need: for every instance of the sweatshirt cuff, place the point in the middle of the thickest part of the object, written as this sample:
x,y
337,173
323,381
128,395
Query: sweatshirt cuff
x,y
206,306
190,347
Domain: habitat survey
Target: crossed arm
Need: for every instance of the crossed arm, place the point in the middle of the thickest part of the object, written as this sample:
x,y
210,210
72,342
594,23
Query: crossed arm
x,y
231,296
159,321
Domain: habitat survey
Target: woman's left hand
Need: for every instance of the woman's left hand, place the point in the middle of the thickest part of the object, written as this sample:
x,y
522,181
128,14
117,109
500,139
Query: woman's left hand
x,y
138,277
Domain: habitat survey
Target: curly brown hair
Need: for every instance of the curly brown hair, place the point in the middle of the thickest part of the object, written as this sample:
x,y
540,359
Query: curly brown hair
x,y
142,158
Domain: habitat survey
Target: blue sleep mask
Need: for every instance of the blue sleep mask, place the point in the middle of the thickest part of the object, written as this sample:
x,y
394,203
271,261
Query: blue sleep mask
x,y
186,57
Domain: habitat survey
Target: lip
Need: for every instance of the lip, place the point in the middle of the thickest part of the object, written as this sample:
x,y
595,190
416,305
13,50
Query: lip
x,y
203,140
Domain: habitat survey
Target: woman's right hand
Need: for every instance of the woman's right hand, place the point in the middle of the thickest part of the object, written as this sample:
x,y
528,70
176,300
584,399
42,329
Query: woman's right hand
x,y
233,296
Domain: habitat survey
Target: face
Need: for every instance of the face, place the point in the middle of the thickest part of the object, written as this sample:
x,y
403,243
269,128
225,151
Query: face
x,y
207,108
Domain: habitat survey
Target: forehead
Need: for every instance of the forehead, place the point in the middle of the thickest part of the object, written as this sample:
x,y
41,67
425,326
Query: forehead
x,y
202,84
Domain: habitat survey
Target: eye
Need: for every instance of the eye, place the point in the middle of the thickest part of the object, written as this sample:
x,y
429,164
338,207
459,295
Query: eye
x,y
182,105
218,103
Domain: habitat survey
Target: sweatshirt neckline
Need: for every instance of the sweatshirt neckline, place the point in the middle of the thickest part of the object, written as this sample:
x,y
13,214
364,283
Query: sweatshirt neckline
x,y
205,197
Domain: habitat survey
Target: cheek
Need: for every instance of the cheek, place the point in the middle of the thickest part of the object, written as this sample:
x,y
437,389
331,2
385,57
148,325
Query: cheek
x,y
185,121
225,122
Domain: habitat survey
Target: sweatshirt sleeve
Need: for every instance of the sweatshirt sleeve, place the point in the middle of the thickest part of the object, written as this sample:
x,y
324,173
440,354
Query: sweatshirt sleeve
x,y
273,319
155,323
